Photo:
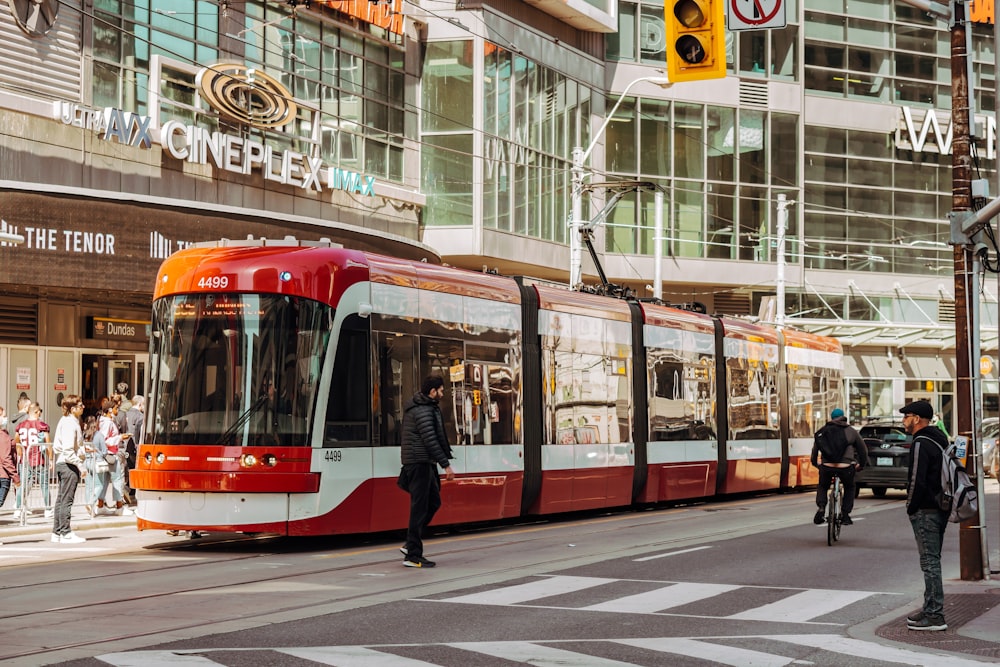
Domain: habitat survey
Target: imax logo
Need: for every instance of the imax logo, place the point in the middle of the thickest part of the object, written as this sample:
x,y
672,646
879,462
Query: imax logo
x,y
933,138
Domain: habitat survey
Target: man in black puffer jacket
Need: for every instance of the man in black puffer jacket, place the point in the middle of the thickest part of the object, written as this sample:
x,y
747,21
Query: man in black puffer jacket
x,y
425,446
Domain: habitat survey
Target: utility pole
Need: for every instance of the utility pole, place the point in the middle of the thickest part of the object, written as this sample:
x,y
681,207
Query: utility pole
x,y
970,531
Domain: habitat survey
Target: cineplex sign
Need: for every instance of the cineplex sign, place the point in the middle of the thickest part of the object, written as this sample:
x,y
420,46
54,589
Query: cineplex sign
x,y
197,145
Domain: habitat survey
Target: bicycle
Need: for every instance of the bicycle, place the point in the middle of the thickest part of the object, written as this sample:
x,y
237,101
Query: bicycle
x,y
834,515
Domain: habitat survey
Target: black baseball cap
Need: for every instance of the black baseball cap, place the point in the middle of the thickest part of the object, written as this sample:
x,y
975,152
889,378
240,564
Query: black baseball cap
x,y
921,409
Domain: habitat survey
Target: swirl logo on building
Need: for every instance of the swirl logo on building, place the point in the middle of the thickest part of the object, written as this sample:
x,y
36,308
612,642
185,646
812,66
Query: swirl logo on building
x,y
246,95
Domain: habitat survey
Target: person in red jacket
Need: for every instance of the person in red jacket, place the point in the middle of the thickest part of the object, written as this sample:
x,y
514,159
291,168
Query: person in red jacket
x,y
8,465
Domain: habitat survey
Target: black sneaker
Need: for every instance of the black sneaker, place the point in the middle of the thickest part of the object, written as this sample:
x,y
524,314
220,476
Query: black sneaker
x,y
846,520
915,617
819,517
929,623
418,562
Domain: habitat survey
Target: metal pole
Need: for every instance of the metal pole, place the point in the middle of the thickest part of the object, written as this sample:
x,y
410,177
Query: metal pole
x,y
658,245
970,550
575,260
779,282
580,156
975,442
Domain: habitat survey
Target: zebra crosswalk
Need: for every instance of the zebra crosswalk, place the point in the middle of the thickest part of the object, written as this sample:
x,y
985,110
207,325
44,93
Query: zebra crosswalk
x,y
763,650
792,605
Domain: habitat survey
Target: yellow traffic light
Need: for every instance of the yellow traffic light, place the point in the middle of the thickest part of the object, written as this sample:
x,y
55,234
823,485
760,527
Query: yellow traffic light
x,y
696,40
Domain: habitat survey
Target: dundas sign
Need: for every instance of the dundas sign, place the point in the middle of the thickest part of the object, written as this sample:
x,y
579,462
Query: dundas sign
x,y
241,94
928,134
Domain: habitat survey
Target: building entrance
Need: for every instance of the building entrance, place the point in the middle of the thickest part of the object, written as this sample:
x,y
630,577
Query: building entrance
x,y
101,375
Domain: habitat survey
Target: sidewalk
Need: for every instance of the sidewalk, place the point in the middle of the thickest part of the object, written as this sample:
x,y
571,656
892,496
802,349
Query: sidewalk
x,y
972,610
36,522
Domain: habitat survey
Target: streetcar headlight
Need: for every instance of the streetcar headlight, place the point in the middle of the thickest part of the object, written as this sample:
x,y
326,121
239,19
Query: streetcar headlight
x,y
148,458
248,460
160,457
270,460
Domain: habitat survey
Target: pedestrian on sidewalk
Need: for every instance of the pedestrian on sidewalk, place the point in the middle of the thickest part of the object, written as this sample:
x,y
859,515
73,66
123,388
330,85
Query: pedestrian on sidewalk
x,y
8,465
114,441
134,422
97,465
69,452
34,452
923,486
22,413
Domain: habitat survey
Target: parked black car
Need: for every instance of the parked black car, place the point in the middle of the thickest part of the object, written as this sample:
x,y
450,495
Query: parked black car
x,y
888,455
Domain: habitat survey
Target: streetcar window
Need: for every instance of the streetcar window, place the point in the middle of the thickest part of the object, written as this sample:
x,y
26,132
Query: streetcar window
x,y
586,375
347,416
398,381
236,369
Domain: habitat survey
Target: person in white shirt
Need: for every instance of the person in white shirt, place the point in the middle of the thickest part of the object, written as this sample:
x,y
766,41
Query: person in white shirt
x,y
68,449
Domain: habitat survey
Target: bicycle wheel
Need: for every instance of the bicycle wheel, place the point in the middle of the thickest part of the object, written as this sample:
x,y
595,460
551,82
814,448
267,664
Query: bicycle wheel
x,y
838,492
833,513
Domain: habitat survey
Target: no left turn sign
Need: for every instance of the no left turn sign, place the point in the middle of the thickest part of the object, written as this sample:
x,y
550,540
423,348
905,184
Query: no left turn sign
x,y
756,14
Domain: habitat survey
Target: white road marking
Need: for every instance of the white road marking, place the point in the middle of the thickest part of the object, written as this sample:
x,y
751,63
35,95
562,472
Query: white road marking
x,y
873,651
669,553
662,598
549,653
533,590
352,656
157,659
802,607
726,655
537,655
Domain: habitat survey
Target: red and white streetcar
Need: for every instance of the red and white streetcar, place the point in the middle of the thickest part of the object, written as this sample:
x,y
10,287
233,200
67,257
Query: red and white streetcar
x,y
279,371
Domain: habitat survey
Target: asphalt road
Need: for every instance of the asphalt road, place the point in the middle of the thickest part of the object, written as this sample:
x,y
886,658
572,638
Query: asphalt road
x,y
748,581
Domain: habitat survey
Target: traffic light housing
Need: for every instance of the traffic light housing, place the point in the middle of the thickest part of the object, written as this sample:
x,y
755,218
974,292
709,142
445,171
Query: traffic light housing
x,y
696,40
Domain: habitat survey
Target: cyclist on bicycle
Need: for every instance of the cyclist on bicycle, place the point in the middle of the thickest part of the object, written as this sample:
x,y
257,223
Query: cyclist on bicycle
x,y
837,450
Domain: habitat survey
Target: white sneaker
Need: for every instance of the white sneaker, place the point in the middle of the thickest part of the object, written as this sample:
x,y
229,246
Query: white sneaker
x,y
17,515
72,538
48,514
56,537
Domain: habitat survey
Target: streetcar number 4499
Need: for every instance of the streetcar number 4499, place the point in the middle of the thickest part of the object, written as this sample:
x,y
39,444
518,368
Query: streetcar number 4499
x,y
213,282
333,455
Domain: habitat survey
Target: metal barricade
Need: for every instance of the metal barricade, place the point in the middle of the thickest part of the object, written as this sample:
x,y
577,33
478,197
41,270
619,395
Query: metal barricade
x,y
39,485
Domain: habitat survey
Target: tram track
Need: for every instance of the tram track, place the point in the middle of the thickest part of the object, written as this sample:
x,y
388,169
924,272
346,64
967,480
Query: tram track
x,y
518,538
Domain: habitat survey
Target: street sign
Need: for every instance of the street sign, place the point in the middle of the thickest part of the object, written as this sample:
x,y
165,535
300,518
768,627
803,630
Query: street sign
x,y
756,14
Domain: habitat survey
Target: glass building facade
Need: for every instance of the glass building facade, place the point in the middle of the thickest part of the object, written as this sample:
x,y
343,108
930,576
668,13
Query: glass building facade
x,y
845,111
353,75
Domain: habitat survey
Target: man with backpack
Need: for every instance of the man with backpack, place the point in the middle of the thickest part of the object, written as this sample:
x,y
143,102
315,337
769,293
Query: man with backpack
x,y
838,450
923,488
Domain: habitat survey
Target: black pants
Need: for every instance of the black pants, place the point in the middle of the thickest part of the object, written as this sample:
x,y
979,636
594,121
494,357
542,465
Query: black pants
x,y
846,476
69,479
425,500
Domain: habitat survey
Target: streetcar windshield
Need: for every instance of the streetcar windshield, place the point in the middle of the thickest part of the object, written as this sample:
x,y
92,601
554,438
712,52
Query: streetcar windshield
x,y
236,369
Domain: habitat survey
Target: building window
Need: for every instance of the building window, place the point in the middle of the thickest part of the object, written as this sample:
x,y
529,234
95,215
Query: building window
x,y
354,80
